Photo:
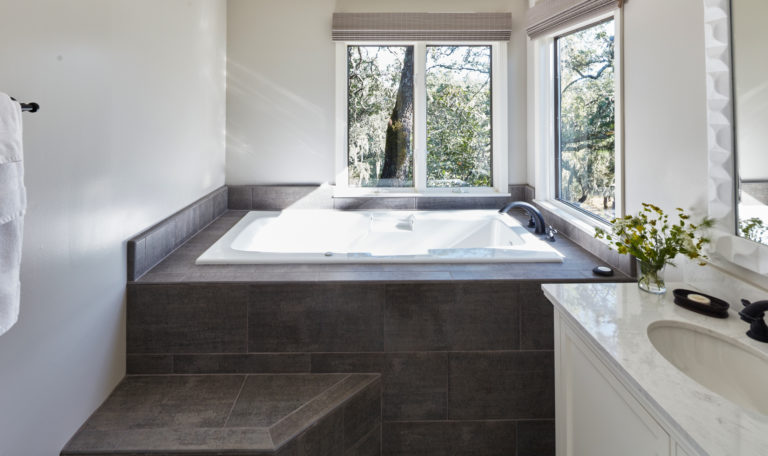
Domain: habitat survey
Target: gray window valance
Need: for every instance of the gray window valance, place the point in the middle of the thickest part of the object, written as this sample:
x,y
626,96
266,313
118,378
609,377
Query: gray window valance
x,y
422,26
549,15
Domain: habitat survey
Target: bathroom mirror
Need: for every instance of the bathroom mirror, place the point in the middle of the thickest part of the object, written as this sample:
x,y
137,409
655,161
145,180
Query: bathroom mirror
x,y
750,103
736,123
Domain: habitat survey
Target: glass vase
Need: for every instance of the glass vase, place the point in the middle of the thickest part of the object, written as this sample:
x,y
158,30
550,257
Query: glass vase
x,y
651,278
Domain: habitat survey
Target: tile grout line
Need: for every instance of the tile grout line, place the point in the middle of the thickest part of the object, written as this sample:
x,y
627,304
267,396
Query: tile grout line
x,y
234,403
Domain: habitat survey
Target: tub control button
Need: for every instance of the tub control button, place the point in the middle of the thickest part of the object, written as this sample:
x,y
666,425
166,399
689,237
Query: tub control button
x,y
328,253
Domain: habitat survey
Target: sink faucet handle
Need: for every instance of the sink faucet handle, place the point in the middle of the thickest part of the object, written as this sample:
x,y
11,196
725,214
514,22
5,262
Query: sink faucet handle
x,y
551,232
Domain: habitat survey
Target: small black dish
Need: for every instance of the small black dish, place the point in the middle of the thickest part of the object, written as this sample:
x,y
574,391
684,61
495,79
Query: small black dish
x,y
716,308
604,271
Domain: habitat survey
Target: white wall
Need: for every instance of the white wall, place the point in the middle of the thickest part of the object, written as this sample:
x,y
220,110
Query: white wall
x,y
131,129
665,104
280,94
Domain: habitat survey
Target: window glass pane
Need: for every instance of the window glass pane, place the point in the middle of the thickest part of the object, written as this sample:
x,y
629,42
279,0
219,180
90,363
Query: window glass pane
x,y
380,116
458,80
586,95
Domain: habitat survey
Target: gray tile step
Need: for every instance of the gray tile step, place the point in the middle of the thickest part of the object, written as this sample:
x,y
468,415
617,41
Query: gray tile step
x,y
281,414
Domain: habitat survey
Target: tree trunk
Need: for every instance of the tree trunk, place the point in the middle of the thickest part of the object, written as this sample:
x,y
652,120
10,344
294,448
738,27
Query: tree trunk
x,y
399,128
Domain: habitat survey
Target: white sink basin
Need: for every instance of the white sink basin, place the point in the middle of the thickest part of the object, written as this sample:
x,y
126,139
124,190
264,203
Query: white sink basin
x,y
725,366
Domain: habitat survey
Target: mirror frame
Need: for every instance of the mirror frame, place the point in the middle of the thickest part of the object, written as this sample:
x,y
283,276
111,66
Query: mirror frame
x,y
722,180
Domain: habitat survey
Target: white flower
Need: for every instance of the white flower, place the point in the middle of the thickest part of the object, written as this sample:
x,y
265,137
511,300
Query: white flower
x,y
688,243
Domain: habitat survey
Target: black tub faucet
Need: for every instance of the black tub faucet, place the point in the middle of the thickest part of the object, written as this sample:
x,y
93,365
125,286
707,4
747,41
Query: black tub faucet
x,y
535,220
754,313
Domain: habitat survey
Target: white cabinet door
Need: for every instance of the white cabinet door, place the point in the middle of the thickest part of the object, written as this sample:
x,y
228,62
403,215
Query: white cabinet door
x,y
679,451
596,416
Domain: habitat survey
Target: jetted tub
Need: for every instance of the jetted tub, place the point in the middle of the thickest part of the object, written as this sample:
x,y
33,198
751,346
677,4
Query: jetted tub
x,y
332,236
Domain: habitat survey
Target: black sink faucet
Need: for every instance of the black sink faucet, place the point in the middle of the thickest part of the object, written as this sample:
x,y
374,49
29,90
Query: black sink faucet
x,y
536,219
754,313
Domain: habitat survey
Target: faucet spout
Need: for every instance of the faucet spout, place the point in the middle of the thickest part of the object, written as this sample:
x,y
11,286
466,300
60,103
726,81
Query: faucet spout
x,y
754,313
536,219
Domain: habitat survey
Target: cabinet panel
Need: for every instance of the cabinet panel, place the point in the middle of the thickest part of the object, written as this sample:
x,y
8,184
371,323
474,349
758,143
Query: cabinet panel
x,y
679,451
596,416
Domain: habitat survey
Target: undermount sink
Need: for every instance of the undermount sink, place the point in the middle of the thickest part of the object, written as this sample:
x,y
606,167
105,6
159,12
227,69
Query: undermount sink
x,y
723,365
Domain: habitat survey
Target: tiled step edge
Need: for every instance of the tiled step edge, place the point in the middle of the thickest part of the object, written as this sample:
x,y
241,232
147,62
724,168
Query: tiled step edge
x,y
343,395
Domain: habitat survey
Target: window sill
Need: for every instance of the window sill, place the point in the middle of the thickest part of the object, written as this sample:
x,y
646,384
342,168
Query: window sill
x,y
358,193
577,219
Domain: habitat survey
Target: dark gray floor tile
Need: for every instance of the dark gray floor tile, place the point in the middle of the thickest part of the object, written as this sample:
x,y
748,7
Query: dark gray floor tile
x,y
501,385
484,438
315,317
204,211
414,318
186,318
362,413
485,316
349,362
279,197
370,445
517,192
431,438
87,441
415,386
220,201
149,364
185,225
466,316
536,318
240,197
320,406
173,441
460,202
365,203
137,258
251,363
141,402
266,399
325,438
536,438
160,242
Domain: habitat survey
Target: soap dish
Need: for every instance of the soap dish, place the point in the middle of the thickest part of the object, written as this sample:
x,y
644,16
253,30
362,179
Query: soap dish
x,y
714,308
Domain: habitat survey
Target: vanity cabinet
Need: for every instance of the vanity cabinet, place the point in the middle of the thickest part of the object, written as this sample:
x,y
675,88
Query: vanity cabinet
x,y
596,415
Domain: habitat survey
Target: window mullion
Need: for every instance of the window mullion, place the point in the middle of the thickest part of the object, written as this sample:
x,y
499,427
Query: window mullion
x,y
420,117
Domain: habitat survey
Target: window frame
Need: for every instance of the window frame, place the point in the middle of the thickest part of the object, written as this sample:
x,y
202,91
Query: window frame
x,y
499,127
557,119
541,106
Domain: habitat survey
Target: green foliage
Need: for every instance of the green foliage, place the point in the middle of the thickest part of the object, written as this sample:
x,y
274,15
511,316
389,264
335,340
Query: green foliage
x,y
587,127
651,238
459,116
754,229
458,82
373,80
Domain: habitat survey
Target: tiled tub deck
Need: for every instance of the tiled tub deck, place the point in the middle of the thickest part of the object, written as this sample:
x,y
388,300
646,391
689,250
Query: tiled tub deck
x,y
464,351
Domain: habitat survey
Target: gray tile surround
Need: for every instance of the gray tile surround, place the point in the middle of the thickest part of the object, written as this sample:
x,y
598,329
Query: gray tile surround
x,y
279,197
442,349
148,248
298,415
441,336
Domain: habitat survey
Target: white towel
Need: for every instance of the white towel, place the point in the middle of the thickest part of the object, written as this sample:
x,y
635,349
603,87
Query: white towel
x,y
13,204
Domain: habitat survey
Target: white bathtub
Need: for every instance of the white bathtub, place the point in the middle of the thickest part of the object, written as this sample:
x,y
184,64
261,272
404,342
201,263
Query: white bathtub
x,y
331,236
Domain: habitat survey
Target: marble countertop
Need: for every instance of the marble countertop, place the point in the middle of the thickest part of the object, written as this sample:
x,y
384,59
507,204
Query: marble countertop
x,y
616,316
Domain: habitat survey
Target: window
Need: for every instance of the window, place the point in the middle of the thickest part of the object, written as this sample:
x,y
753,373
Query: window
x,y
421,117
585,139
380,110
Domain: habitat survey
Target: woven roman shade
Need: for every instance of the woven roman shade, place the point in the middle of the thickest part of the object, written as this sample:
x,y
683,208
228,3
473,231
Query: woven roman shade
x,y
422,26
549,15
